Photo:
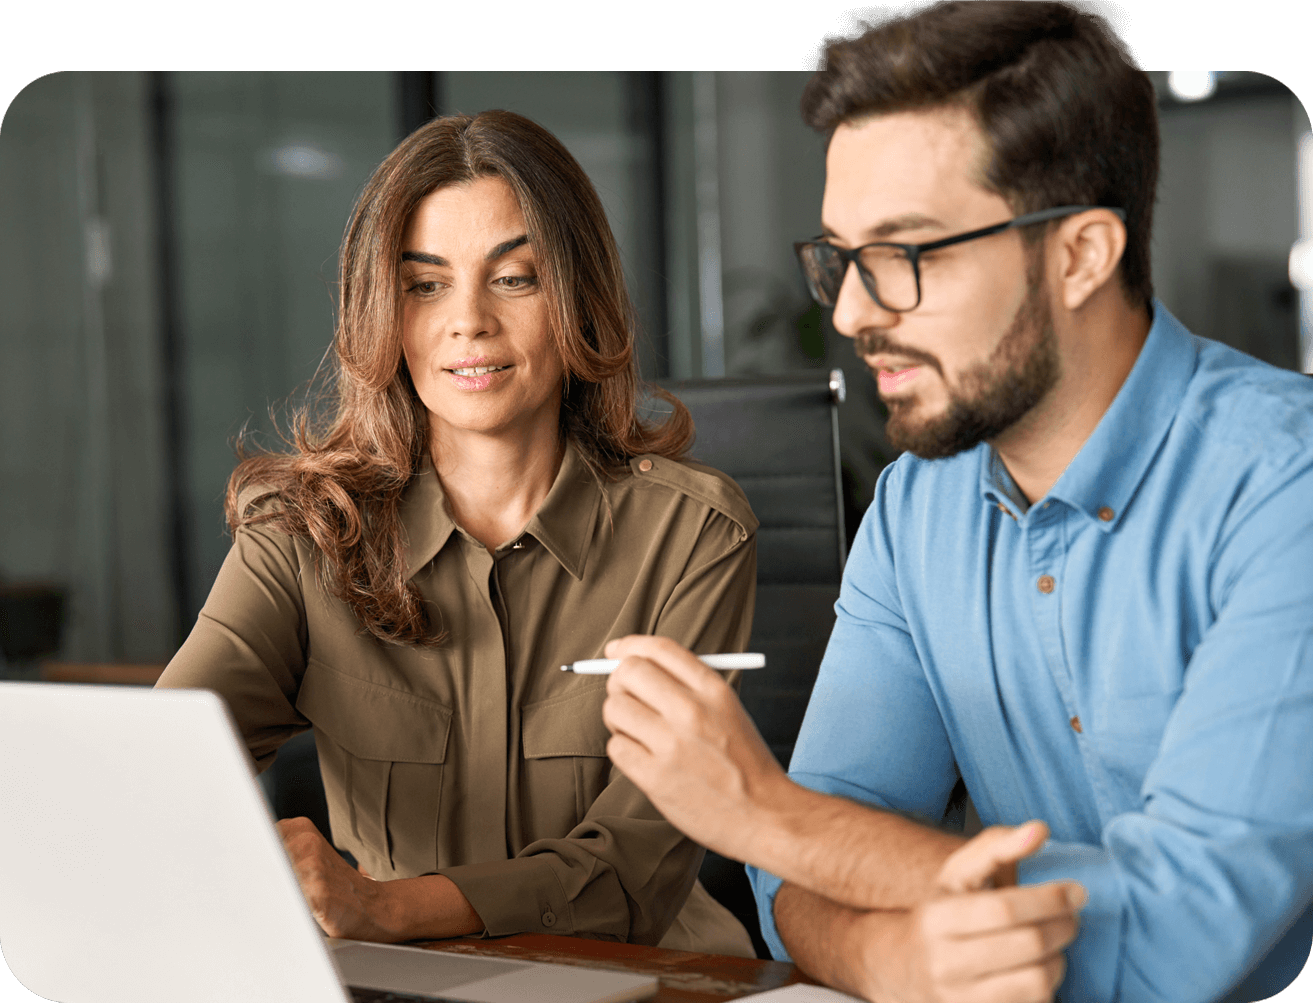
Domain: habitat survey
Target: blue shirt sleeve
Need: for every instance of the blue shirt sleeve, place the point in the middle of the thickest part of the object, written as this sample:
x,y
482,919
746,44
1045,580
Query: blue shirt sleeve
x,y
872,732
1225,825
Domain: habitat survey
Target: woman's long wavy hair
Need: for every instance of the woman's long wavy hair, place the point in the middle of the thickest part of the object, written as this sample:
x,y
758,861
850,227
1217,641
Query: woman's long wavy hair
x,y
358,442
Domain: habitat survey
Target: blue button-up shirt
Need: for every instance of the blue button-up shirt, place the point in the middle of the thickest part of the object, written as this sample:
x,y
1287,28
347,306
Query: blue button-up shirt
x,y
1129,659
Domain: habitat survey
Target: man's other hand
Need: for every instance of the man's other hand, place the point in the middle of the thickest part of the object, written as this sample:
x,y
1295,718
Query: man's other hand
x,y
983,938
679,732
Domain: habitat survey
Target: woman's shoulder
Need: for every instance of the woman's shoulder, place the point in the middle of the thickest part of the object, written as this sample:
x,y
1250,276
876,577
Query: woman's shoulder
x,y
255,500
697,481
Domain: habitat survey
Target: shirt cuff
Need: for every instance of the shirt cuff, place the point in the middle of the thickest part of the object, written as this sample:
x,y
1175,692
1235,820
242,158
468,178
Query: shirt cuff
x,y
765,886
515,896
1094,958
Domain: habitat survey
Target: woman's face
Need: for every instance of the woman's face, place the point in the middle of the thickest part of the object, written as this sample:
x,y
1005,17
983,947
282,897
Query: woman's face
x,y
476,321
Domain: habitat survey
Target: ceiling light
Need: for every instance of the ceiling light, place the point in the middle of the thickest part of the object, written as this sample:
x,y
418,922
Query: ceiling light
x,y
1192,85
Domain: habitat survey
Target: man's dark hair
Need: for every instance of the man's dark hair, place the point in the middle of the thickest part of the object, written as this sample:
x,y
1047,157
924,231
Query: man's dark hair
x,y
1069,119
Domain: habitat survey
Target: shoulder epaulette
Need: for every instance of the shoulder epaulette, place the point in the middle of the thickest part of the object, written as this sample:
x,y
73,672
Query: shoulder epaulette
x,y
698,481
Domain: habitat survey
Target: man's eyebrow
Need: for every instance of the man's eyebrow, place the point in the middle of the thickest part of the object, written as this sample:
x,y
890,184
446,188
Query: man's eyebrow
x,y
505,247
908,221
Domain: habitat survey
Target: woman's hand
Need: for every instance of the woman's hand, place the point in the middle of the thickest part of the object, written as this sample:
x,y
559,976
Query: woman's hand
x,y
344,902
348,903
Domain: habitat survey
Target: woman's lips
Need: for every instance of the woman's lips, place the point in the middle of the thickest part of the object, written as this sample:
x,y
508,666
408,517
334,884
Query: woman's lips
x,y
890,380
478,377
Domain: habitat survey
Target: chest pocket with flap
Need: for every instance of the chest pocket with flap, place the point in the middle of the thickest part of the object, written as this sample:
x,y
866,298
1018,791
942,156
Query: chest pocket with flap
x,y
563,740
381,752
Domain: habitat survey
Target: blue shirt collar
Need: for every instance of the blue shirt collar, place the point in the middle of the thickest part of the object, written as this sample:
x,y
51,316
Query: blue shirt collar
x,y
1102,478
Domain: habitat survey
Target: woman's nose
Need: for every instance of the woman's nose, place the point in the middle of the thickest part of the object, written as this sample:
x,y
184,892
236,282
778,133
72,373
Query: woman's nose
x,y
469,311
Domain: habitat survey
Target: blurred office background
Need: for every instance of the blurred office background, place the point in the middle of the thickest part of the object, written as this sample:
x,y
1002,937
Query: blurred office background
x,y
168,262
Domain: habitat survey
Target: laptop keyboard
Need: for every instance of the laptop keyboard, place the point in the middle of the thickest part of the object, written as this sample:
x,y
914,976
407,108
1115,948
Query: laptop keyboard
x,y
359,994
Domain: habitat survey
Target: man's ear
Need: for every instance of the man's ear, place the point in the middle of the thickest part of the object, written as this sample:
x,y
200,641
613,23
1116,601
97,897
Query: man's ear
x,y
1088,247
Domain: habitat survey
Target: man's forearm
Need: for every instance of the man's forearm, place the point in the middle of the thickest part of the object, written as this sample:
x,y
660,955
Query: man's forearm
x,y
841,947
852,854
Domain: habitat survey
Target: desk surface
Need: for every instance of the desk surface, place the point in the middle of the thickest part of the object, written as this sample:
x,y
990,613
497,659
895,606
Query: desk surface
x,y
684,977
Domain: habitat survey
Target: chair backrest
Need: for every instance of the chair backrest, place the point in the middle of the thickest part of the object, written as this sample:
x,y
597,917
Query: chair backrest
x,y
778,437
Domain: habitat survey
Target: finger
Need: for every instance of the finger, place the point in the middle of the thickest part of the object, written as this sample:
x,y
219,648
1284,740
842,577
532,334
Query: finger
x,y
633,760
977,913
1030,984
976,957
669,698
975,865
625,714
672,657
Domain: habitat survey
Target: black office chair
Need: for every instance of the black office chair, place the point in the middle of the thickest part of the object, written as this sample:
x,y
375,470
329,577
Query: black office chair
x,y
778,437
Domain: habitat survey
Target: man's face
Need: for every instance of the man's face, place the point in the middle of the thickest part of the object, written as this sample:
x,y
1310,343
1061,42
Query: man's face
x,y
978,353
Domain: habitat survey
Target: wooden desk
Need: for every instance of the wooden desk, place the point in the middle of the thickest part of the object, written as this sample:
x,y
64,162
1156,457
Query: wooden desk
x,y
120,673
684,977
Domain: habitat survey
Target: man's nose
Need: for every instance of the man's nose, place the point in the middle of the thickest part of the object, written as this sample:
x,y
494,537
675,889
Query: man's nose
x,y
855,309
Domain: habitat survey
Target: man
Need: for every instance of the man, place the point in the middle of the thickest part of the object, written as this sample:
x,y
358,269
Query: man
x,y
1086,589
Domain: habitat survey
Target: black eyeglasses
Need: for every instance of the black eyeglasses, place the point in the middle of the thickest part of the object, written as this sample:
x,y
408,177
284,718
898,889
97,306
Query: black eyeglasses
x,y
891,273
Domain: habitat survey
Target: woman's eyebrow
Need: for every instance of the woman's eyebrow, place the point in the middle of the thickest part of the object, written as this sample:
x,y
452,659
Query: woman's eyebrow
x,y
505,247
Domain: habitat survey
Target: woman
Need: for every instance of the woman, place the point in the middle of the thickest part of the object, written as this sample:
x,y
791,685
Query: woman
x,y
480,506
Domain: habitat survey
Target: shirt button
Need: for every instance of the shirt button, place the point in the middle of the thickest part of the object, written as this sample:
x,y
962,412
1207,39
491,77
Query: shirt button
x,y
1106,514
645,465
1045,584
549,918
1075,725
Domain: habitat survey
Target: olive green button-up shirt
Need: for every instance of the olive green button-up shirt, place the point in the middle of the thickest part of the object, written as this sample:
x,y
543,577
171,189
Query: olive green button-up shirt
x,y
480,759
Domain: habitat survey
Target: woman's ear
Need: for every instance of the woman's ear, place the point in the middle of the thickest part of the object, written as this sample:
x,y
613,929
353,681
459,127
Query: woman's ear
x,y
1089,247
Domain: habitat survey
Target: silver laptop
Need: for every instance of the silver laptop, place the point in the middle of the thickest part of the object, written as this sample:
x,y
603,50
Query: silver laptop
x,y
139,863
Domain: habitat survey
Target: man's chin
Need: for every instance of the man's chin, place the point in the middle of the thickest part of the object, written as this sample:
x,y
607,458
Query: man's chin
x,y
930,438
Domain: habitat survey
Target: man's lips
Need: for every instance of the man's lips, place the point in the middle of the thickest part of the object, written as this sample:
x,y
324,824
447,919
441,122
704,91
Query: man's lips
x,y
890,379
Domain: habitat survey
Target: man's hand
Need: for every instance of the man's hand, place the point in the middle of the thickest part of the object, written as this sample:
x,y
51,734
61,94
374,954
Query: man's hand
x,y
680,734
978,939
983,940
344,901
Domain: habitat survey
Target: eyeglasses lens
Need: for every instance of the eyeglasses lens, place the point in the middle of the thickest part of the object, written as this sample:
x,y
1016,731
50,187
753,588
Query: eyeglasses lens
x,y
887,274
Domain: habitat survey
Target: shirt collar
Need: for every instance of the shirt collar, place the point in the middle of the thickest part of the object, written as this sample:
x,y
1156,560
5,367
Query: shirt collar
x,y
563,523
1102,478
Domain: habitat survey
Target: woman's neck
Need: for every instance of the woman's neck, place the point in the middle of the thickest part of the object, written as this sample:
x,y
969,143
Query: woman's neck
x,y
496,483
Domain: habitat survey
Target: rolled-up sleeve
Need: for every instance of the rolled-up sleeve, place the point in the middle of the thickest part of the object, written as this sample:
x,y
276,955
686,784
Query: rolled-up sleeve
x,y
1191,892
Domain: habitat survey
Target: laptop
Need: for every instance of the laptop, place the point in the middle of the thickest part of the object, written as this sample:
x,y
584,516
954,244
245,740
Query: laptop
x,y
139,863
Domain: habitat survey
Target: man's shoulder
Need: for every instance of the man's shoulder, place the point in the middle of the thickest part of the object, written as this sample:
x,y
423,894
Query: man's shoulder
x,y
697,481
1248,410
915,487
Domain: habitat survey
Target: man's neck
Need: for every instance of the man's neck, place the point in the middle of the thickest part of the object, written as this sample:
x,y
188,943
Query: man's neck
x,y
1098,347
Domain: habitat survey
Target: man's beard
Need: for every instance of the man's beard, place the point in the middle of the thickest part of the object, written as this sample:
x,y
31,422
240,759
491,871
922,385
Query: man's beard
x,y
994,394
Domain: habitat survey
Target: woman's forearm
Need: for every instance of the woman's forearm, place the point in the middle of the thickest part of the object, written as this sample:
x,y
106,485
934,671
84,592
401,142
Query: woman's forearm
x,y
429,907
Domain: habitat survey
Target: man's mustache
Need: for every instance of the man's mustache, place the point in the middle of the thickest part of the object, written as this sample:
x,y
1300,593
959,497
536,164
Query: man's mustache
x,y
867,343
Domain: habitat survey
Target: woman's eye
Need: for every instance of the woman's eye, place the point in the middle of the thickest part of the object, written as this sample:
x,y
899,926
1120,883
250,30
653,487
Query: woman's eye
x,y
423,288
518,281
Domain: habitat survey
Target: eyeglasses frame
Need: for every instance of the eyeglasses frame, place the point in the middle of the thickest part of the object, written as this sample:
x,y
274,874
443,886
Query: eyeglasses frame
x,y
914,251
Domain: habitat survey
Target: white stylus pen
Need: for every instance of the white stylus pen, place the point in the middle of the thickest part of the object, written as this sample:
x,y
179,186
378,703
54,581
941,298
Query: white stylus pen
x,y
603,666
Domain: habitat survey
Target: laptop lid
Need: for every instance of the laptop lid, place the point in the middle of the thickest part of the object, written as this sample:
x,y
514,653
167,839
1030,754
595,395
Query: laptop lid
x,y
139,863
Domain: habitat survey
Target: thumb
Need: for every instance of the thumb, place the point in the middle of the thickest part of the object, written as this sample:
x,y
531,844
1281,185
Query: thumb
x,y
991,855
